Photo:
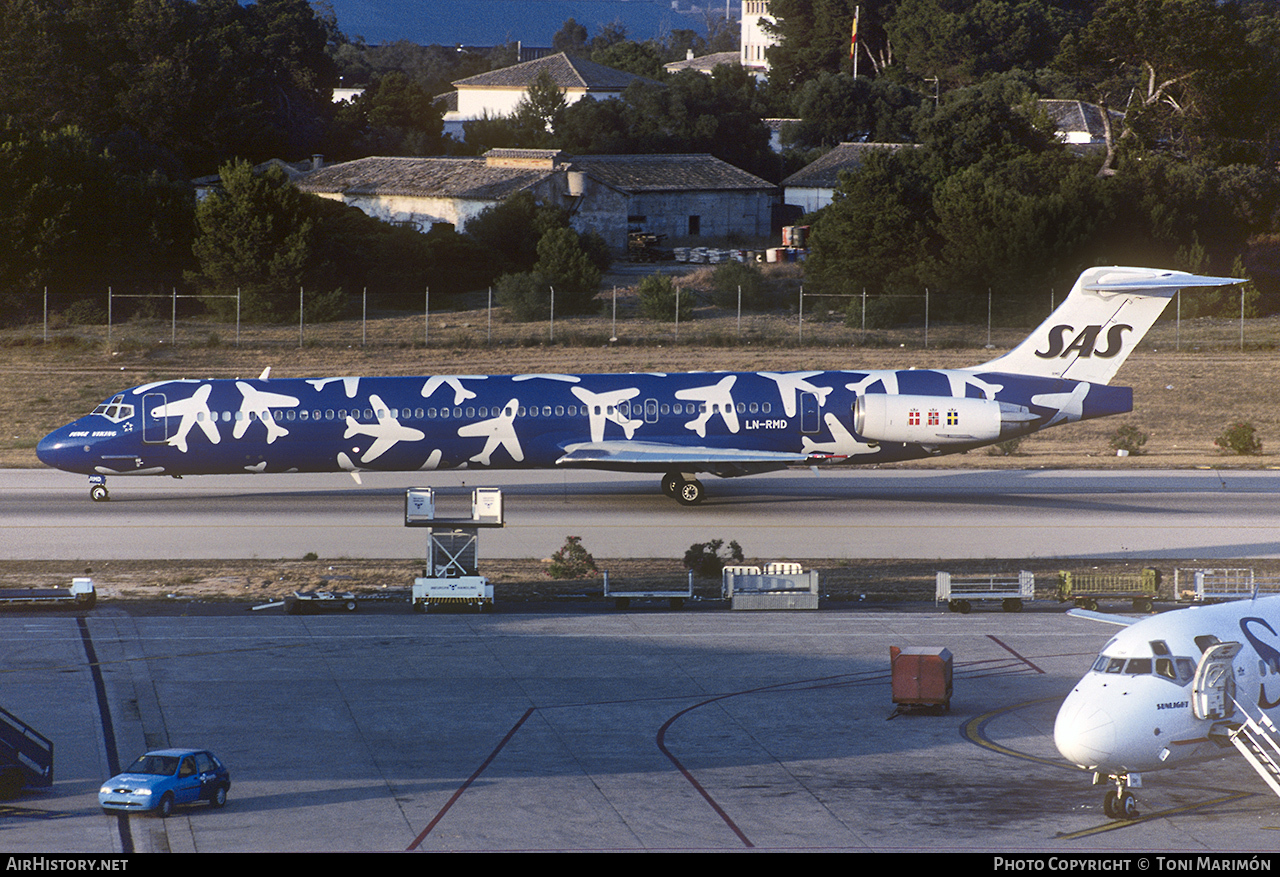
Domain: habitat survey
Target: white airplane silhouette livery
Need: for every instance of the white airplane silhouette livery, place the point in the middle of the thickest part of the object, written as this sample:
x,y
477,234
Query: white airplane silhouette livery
x,y
716,399
385,433
792,384
460,393
350,385
842,444
499,432
259,403
192,410
604,408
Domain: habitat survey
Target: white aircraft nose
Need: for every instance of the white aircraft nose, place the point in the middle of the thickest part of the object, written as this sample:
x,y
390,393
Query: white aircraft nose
x,y
1085,734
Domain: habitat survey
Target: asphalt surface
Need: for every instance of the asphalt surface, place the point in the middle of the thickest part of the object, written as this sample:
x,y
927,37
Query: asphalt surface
x,y
855,513
557,730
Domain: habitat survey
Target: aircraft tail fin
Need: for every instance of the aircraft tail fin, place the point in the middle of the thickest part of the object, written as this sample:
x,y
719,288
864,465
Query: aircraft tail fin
x,y
1090,335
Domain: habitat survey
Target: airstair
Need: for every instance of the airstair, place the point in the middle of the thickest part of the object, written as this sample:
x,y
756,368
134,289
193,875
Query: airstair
x,y
1213,696
1256,738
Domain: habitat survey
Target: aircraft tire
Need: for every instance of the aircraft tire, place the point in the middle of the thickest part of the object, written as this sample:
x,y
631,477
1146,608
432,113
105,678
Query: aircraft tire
x,y
98,493
1128,806
690,492
671,483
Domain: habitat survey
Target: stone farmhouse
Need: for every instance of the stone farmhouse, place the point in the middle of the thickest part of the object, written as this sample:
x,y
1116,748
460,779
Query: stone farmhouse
x,y
685,197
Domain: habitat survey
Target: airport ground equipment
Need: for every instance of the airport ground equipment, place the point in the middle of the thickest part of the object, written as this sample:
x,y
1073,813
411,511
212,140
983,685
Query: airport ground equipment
x,y
1217,585
308,602
1086,589
622,597
452,576
81,594
26,756
921,677
961,592
779,585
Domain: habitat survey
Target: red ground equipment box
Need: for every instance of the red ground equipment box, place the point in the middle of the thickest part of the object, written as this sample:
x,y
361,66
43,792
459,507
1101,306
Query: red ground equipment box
x,y
921,676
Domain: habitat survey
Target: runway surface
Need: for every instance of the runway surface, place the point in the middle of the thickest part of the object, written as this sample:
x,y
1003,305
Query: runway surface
x,y
922,514
587,729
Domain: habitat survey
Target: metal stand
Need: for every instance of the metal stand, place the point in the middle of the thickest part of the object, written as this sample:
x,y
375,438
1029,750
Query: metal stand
x,y
452,575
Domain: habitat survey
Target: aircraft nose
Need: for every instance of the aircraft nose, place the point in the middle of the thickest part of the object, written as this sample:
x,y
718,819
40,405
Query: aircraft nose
x,y
1084,733
57,449
49,448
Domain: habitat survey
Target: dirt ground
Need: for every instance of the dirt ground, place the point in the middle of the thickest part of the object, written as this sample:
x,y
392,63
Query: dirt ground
x,y
255,582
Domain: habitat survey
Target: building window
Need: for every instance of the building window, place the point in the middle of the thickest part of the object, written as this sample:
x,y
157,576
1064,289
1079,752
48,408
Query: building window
x,y
695,226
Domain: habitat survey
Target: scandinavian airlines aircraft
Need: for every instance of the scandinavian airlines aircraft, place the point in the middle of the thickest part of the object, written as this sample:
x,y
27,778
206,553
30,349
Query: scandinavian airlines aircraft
x,y
1176,688
679,425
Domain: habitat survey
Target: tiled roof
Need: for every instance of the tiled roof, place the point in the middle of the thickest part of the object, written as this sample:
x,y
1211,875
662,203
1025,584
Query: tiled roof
x,y
566,72
491,178
463,178
824,173
704,64
676,173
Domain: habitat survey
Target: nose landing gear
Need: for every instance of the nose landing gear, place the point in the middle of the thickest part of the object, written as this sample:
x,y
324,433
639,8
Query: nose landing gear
x,y
1120,802
98,488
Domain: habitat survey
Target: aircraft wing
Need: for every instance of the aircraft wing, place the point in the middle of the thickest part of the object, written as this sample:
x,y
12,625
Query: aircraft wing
x,y
1103,617
653,455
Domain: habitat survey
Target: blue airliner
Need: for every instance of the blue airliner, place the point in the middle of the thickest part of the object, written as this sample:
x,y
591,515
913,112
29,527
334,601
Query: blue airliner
x,y
680,425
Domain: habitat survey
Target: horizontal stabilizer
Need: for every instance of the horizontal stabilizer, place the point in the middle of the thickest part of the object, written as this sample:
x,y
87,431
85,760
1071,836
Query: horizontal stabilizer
x,y
1099,324
1171,280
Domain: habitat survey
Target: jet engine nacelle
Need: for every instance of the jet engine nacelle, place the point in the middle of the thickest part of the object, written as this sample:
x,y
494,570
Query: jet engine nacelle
x,y
935,420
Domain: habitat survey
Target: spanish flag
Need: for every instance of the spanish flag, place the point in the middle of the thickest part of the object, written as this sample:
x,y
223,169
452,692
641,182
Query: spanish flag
x,y
853,39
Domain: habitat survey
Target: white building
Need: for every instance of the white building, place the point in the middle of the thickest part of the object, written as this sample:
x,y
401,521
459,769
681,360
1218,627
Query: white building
x,y
499,92
755,39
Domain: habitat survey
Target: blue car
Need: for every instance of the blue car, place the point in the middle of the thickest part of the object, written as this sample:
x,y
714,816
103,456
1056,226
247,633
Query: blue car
x,y
162,779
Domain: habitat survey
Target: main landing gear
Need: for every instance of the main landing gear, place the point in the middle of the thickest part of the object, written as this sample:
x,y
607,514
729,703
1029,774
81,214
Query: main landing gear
x,y
685,489
1119,803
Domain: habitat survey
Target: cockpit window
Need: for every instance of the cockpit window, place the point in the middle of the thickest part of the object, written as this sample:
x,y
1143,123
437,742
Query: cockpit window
x,y
115,410
1176,670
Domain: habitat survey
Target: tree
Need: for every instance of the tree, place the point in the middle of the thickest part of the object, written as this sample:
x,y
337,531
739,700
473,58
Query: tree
x,y
540,110
77,219
255,237
570,38
835,108
963,42
509,232
814,37
1184,70
659,298
208,79
393,116
568,267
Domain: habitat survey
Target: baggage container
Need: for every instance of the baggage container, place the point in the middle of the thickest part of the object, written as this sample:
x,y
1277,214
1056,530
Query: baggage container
x,y
921,676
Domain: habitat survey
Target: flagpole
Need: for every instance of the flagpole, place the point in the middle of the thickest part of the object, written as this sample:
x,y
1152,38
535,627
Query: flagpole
x,y
853,43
